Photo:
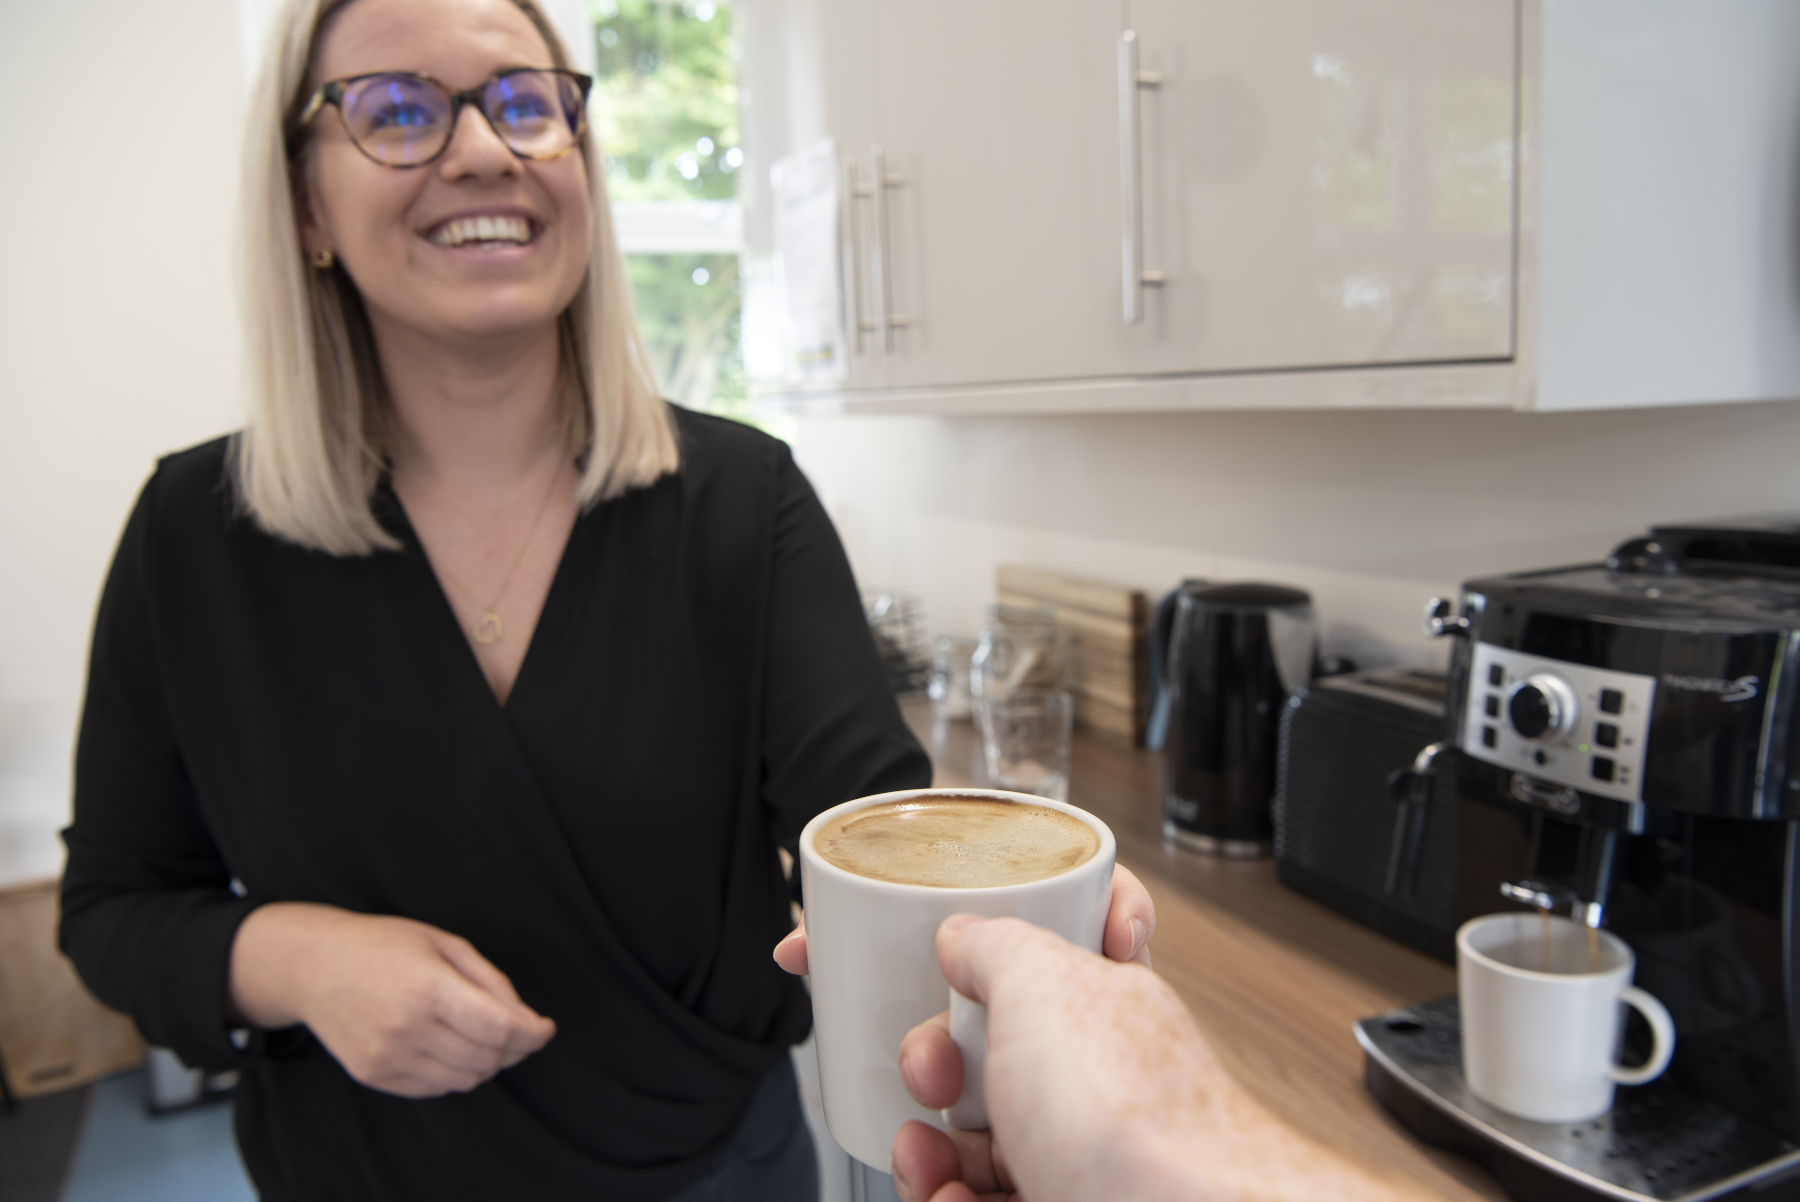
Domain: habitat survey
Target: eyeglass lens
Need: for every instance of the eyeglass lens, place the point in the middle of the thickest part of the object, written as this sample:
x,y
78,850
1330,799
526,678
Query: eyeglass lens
x,y
402,120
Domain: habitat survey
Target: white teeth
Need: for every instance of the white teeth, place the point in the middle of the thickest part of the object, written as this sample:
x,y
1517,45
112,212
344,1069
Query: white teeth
x,y
483,229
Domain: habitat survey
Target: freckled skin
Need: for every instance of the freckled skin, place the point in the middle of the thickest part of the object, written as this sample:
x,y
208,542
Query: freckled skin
x,y
1100,1086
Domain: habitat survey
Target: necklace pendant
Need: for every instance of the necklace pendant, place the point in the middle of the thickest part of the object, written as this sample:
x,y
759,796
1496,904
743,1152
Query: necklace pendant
x,y
489,630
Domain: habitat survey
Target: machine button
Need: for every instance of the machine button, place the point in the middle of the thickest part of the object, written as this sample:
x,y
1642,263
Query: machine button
x,y
1603,768
1612,701
1490,737
1530,711
1491,704
1496,675
1606,734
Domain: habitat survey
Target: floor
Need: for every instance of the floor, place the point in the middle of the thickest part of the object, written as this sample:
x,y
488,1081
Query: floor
x,y
121,1153
100,1144
125,1153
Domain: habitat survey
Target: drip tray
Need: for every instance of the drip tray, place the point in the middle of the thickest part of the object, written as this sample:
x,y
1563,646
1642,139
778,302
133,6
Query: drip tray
x,y
1658,1143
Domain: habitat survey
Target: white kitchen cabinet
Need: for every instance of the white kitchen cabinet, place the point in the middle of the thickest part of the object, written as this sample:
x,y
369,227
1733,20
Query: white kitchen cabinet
x,y
1325,183
1331,203
998,119
1319,183
806,72
976,258
1662,211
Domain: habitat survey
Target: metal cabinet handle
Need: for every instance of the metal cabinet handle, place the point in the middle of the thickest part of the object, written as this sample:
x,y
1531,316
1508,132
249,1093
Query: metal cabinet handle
x,y
884,261
856,194
1131,202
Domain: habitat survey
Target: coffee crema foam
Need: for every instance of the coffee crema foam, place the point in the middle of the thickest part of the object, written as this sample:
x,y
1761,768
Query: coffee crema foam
x,y
951,842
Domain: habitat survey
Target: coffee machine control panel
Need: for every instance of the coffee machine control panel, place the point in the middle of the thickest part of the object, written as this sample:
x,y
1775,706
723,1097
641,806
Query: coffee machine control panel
x,y
1568,723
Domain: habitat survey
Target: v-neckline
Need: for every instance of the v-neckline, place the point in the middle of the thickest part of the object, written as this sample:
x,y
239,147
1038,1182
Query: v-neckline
x,y
554,612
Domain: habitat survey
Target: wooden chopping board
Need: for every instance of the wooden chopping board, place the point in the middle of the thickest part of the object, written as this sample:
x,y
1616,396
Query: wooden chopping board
x,y
1105,625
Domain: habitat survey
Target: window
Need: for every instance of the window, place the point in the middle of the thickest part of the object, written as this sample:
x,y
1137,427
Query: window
x,y
665,110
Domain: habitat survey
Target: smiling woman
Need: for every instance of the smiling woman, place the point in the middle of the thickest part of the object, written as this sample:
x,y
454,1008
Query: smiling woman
x,y
304,398
443,727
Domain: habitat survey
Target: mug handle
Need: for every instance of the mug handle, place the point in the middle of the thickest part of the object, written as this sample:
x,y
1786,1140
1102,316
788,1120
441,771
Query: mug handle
x,y
1662,1030
968,1028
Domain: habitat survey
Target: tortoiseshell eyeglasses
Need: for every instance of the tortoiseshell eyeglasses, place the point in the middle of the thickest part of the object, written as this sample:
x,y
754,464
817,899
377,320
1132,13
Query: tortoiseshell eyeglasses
x,y
405,118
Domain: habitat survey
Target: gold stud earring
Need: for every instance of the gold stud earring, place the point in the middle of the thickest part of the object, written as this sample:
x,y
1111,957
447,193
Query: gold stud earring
x,y
323,260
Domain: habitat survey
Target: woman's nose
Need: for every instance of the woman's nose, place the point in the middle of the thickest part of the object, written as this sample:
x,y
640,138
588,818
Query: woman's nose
x,y
475,149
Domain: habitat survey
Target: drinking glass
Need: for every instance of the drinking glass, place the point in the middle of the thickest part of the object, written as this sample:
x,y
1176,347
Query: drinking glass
x,y
1025,738
1020,648
948,687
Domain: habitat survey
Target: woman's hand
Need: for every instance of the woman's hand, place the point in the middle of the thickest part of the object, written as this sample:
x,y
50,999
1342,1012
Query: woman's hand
x,y
406,1008
1129,924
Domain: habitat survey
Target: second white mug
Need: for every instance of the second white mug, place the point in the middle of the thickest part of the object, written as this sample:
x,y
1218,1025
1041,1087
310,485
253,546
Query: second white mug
x,y
1541,1002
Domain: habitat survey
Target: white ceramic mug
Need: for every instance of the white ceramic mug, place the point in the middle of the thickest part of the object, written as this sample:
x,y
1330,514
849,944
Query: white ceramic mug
x,y
1541,1016
874,972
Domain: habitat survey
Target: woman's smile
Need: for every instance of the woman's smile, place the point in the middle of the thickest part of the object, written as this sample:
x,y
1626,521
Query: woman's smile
x,y
486,239
486,232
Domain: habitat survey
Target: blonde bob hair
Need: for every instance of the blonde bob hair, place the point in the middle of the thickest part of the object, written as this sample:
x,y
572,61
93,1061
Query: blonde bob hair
x,y
313,445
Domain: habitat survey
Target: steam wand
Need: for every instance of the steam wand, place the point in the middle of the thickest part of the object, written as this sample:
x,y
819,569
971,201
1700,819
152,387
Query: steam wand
x,y
1550,898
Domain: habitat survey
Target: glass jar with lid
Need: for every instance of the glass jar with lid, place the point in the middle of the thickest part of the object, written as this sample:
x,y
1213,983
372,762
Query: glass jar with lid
x,y
1020,648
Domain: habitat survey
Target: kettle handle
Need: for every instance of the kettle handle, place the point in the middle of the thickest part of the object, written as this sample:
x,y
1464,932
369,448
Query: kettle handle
x,y
1162,627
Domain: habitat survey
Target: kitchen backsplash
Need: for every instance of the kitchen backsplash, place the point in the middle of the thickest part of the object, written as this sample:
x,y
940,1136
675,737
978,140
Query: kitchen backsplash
x,y
1372,512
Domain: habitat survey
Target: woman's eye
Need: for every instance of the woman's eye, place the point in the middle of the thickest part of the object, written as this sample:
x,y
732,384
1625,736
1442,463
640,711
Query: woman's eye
x,y
400,116
523,109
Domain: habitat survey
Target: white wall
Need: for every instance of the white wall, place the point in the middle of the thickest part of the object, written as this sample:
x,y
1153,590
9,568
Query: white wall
x,y
118,128
1373,512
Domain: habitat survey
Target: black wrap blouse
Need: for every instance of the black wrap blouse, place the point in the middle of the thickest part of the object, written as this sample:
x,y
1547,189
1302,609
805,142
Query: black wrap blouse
x,y
265,722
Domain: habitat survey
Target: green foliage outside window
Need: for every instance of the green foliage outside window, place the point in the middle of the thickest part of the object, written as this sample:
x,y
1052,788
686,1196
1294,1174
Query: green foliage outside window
x,y
665,103
665,109
688,313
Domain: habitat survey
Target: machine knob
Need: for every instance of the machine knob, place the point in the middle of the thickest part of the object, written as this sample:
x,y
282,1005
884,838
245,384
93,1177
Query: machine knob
x,y
1540,706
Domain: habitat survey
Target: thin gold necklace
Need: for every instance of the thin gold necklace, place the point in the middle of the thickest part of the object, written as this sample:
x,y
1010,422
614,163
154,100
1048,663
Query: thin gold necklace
x,y
489,629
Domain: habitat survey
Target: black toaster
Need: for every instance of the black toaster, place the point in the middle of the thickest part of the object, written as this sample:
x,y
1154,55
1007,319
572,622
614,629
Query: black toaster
x,y
1362,822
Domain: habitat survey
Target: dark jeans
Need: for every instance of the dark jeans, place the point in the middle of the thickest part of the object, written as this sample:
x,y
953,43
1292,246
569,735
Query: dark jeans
x,y
771,1158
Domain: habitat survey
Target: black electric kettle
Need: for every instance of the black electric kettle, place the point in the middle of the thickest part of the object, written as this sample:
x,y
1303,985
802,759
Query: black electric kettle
x,y
1226,655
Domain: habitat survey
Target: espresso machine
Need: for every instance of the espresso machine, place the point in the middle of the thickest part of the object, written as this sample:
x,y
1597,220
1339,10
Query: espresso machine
x,y
1624,739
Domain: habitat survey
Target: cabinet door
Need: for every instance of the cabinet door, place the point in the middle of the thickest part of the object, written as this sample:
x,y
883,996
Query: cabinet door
x,y
1667,172
1326,183
806,71
999,120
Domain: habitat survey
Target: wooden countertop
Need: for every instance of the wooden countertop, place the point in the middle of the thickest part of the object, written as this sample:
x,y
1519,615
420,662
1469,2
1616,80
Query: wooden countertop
x,y
1276,980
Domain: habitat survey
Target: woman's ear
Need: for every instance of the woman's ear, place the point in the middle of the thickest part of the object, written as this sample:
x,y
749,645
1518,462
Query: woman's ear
x,y
313,235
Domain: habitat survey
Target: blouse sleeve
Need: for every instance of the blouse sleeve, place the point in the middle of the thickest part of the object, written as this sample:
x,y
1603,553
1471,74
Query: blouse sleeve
x,y
148,912
833,728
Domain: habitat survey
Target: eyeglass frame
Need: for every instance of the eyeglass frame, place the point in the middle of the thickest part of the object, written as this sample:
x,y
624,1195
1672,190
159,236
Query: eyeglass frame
x,y
331,92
